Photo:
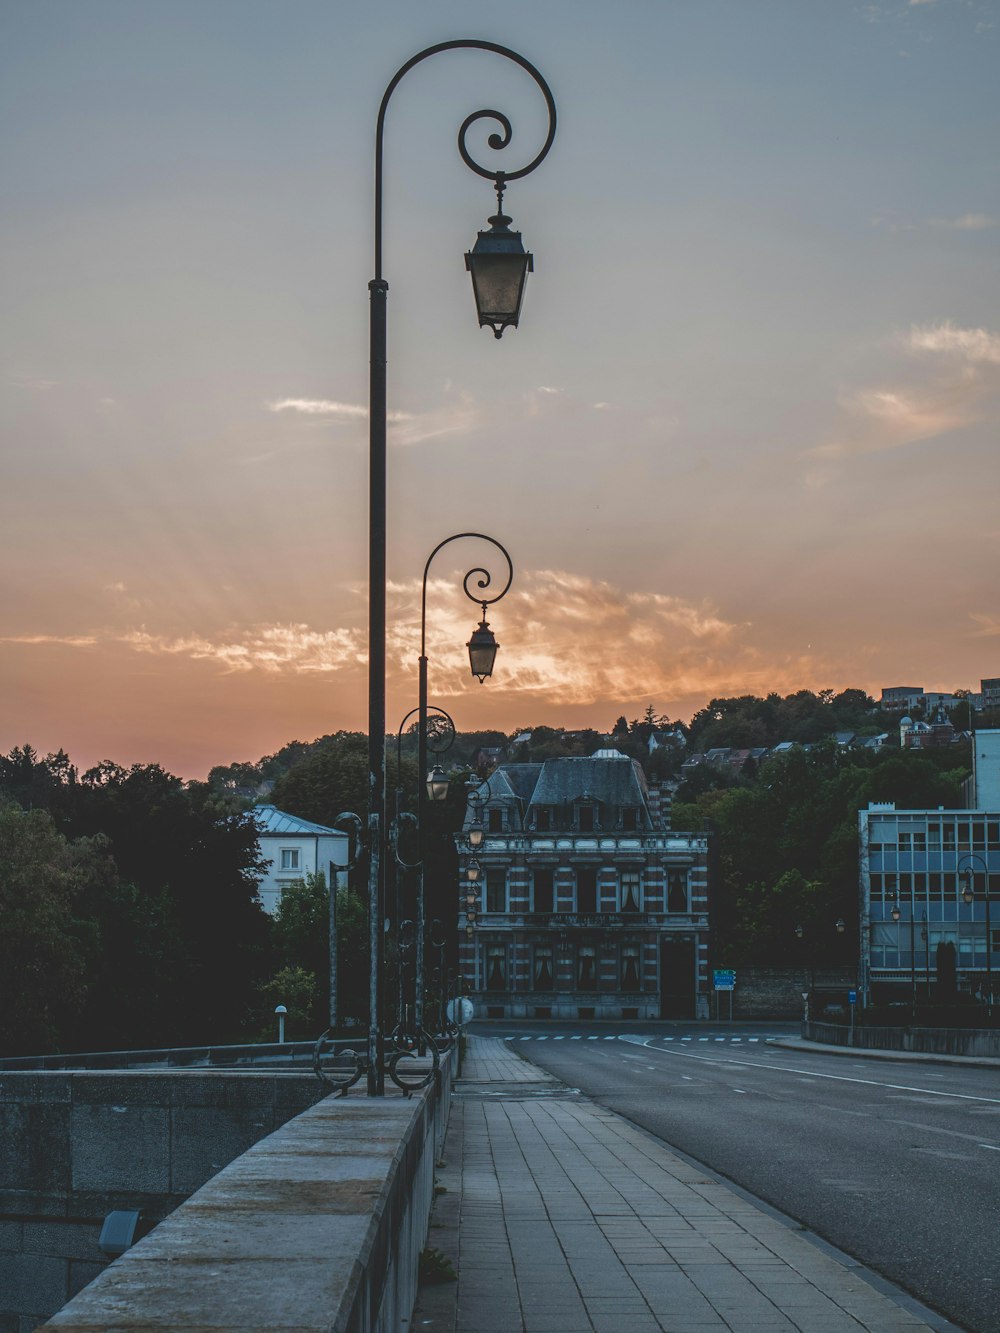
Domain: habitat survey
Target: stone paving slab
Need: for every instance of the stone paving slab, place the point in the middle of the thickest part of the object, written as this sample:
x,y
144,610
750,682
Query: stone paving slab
x,y
561,1217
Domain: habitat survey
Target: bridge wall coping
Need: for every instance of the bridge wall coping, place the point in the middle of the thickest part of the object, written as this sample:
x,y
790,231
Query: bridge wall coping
x,y
317,1226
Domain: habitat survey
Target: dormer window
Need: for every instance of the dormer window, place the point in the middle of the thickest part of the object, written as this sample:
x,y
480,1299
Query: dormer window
x,y
630,818
494,820
586,815
543,819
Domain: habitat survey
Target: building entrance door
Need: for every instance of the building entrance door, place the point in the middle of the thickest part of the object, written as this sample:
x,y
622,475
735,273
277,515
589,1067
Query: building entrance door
x,y
677,979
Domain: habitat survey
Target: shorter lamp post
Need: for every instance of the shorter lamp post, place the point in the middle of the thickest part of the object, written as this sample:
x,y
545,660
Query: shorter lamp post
x,y
968,896
896,915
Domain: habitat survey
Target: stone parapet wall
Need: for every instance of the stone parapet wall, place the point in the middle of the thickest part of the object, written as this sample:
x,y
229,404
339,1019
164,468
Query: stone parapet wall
x,y
75,1146
970,1042
318,1226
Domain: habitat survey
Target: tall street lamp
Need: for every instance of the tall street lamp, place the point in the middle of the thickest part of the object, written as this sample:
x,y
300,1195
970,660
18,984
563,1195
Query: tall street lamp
x,y
896,914
968,896
498,266
482,648
438,730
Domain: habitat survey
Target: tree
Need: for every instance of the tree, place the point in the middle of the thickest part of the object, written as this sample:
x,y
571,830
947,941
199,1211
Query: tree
x,y
43,949
302,939
331,779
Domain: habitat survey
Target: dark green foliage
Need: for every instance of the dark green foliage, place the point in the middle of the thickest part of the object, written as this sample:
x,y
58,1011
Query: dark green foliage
x,y
787,844
44,946
171,940
747,722
332,777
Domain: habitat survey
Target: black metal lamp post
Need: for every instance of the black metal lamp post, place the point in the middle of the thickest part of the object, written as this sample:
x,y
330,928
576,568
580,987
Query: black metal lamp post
x,y
896,914
968,896
436,787
489,288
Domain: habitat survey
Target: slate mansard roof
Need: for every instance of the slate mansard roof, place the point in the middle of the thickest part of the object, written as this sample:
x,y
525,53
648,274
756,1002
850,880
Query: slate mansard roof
x,y
612,779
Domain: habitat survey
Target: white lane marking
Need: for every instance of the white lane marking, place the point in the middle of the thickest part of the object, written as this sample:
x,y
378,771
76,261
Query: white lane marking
x,y
524,1038
836,1078
545,1038
558,1038
669,1038
610,1038
576,1039
743,1090
703,1039
685,1038
753,1038
738,1039
720,1039
687,1078
593,1039
508,1038
993,1147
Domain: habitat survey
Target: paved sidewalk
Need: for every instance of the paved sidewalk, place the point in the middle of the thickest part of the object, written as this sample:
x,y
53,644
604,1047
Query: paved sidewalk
x,y
561,1217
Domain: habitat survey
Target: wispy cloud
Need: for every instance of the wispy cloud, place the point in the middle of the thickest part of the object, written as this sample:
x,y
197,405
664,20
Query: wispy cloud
x,y
957,387
989,625
66,640
966,222
405,428
326,407
891,222
974,345
288,649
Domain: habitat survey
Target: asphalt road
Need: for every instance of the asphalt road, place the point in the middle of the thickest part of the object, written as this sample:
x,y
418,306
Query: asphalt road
x,y
895,1162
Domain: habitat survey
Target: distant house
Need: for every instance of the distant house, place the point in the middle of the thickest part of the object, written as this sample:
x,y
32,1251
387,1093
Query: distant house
x,y
486,759
874,742
926,735
295,848
665,740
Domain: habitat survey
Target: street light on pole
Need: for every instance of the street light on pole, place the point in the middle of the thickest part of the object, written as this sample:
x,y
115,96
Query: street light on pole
x,y
482,655
498,267
969,897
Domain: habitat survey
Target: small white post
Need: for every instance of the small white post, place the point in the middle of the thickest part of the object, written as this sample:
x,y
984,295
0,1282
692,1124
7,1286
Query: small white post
x,y
281,1011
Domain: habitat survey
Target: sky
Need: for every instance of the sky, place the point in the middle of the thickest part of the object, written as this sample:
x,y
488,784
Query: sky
x,y
745,438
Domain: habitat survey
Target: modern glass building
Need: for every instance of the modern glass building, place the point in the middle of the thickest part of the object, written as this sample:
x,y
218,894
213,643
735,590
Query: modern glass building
x,y
928,878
